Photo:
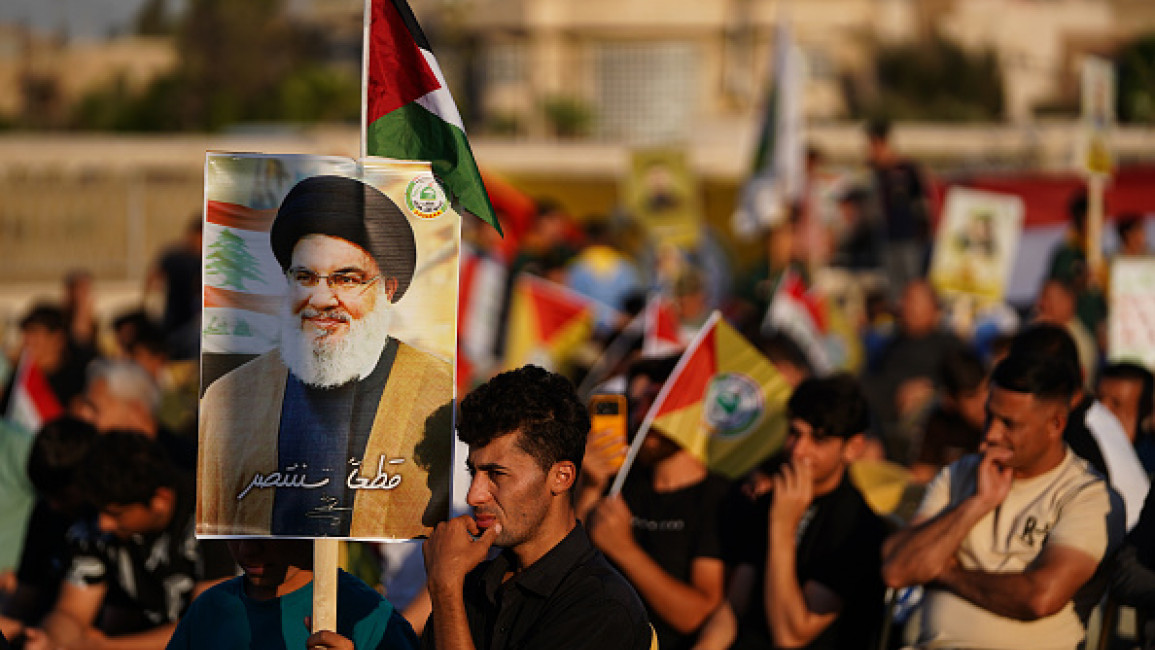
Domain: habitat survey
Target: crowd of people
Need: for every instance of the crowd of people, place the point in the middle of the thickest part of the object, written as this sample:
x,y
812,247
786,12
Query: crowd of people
x,y
1023,460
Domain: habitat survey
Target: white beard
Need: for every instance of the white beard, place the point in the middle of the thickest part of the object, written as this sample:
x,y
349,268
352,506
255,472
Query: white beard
x,y
322,360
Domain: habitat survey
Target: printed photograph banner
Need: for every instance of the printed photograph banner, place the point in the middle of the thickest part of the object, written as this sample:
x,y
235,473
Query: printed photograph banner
x,y
1098,103
328,335
976,244
1131,320
662,193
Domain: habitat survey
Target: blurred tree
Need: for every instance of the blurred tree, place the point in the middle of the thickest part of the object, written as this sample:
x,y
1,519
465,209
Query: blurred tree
x,y
316,93
935,80
1136,69
153,19
568,116
233,56
237,62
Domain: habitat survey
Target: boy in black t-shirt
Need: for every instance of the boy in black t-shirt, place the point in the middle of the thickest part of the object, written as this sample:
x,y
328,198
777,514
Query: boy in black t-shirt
x,y
812,543
663,532
56,456
136,566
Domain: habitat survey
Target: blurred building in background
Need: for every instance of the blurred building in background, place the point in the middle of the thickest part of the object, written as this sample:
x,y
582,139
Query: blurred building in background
x,y
555,93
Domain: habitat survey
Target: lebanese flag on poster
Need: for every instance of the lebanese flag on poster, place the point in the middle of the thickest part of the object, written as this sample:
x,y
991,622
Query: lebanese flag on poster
x,y
547,323
409,113
32,402
243,283
724,402
663,328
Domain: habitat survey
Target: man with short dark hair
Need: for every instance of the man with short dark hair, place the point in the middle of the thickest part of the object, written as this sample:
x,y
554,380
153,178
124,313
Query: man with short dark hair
x,y
955,424
1092,431
1125,388
44,342
1008,541
1132,232
324,436
135,569
549,588
806,555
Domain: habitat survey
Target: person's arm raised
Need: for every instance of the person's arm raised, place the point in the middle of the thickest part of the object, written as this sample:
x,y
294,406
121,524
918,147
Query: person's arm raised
x,y
453,550
685,606
796,613
919,553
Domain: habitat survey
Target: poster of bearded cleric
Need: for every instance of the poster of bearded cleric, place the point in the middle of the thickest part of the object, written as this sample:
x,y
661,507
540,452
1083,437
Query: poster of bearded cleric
x,y
330,293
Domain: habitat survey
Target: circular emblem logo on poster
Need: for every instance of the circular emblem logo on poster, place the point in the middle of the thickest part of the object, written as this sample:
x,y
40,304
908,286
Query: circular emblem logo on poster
x,y
425,198
733,405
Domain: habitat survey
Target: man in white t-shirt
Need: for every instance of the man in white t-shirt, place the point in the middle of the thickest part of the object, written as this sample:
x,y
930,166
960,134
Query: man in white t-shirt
x,y
1009,542
1093,432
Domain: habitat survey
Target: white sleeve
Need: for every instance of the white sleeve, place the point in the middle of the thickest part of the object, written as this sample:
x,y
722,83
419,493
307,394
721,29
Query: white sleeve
x,y
1127,474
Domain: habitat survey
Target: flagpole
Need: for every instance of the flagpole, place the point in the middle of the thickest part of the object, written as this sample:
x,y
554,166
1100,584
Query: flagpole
x,y
366,22
613,352
640,437
326,551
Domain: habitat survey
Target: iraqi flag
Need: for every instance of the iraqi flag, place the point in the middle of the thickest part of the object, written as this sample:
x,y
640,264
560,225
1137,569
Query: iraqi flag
x,y
664,334
32,402
547,323
482,291
724,403
408,111
797,312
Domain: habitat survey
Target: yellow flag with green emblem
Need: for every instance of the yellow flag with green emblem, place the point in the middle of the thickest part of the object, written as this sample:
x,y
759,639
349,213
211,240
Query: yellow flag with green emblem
x,y
724,402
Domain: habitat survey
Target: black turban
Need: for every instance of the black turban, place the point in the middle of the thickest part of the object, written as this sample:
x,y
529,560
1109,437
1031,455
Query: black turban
x,y
351,210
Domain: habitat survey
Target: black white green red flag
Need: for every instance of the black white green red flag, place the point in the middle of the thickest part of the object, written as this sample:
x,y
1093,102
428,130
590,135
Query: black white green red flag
x,y
408,111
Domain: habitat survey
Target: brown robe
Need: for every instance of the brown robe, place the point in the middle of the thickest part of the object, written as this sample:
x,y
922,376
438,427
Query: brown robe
x,y
240,416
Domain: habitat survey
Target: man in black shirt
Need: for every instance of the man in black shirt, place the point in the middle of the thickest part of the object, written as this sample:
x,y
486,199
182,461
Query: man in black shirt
x,y
1092,432
807,556
663,532
549,588
136,567
56,456
901,198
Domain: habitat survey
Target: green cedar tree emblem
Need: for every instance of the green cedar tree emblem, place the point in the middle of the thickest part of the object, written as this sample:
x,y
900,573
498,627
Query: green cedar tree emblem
x,y
229,258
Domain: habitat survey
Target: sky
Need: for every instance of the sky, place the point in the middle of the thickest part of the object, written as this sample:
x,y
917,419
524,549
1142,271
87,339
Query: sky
x,y
82,19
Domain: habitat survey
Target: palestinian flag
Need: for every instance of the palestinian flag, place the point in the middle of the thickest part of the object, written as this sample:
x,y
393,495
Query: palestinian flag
x,y
547,323
409,113
32,402
725,403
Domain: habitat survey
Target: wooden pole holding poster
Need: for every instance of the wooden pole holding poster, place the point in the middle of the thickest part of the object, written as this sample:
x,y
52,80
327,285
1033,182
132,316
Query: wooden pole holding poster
x,y
1096,188
1098,120
325,552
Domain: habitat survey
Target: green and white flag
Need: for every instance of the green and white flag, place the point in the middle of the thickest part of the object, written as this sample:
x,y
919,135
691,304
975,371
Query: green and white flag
x,y
777,175
408,111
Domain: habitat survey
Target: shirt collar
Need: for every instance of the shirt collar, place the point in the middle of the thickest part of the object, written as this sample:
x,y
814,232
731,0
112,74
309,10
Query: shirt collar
x,y
544,576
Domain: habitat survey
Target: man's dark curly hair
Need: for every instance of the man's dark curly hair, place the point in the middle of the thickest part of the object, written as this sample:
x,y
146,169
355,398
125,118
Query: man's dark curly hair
x,y
834,406
124,468
540,405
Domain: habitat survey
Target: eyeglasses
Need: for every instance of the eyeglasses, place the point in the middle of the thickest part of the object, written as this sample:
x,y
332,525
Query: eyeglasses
x,y
340,282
